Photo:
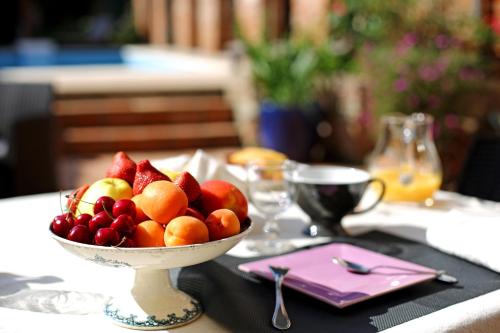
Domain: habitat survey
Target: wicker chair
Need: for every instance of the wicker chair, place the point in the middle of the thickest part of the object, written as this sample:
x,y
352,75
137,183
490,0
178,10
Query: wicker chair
x,y
28,149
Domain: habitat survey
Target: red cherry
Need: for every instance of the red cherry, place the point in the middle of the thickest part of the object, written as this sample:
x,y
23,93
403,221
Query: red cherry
x,y
67,217
60,226
124,224
104,203
107,237
83,219
124,206
80,233
100,220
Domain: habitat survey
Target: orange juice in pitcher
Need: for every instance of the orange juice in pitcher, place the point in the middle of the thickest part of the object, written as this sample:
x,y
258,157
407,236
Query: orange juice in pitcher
x,y
401,186
406,158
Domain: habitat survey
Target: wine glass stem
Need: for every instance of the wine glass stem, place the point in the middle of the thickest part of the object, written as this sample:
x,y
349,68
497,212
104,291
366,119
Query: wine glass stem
x,y
271,230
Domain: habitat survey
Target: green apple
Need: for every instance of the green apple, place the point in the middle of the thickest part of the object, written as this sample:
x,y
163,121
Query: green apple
x,y
115,188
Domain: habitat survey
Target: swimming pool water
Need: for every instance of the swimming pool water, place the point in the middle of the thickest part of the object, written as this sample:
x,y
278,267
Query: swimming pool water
x,y
61,57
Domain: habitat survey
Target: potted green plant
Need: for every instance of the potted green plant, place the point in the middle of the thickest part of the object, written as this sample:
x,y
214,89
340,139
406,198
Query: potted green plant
x,y
286,73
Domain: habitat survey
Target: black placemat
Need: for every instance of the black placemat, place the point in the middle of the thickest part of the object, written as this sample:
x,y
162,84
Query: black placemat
x,y
245,304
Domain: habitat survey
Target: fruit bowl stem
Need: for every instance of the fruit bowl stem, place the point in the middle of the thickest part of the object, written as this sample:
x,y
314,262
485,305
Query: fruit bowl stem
x,y
153,303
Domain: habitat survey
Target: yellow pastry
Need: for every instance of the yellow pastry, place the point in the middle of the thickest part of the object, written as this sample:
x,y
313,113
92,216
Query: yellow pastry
x,y
245,155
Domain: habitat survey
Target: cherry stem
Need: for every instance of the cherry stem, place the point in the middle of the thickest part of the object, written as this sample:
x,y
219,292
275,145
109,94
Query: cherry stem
x,y
110,215
60,202
121,242
61,206
75,198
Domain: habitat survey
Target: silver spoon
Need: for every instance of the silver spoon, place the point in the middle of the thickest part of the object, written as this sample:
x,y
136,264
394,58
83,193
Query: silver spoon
x,y
360,269
280,316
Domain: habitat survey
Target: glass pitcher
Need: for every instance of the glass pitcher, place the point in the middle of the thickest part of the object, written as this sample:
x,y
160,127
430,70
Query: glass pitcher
x,y
406,159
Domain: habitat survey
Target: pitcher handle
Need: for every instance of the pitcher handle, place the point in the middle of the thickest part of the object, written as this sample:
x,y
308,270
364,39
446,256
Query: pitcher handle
x,y
381,196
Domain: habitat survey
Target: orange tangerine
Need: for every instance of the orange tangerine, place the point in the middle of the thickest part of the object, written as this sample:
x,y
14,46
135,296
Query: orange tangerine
x,y
149,234
185,230
163,200
222,223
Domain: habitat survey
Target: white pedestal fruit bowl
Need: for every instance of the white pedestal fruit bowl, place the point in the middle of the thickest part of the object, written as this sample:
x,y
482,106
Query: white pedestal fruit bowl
x,y
153,303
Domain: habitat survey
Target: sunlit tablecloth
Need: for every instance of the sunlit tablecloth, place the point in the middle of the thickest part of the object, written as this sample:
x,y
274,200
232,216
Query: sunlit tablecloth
x,y
455,224
44,288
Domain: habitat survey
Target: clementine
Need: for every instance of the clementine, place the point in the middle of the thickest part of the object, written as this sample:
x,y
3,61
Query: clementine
x,y
222,223
149,234
185,230
163,200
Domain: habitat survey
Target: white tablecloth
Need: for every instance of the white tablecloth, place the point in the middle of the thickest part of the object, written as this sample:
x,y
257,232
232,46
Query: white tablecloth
x,y
456,224
44,288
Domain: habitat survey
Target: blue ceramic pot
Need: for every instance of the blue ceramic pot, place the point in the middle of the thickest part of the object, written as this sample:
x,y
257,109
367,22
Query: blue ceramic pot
x,y
290,130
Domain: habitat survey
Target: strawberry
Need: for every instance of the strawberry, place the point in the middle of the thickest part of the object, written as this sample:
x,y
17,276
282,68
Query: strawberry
x,y
123,167
74,198
189,185
146,174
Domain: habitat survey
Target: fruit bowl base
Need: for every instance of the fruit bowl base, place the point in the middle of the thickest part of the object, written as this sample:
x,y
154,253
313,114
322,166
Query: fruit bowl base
x,y
153,303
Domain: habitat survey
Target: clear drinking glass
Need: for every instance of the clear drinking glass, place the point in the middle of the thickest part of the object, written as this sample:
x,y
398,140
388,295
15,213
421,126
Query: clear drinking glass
x,y
271,191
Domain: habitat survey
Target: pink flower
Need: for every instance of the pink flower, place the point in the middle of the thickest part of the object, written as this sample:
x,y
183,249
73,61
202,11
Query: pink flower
x,y
365,118
441,66
339,7
495,25
400,85
428,73
469,74
408,41
442,41
368,46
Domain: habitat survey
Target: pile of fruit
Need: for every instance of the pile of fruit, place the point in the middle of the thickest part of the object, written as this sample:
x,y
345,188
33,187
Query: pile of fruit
x,y
137,205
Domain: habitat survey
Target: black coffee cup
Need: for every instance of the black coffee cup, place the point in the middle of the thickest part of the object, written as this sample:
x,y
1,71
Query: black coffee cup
x,y
328,193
